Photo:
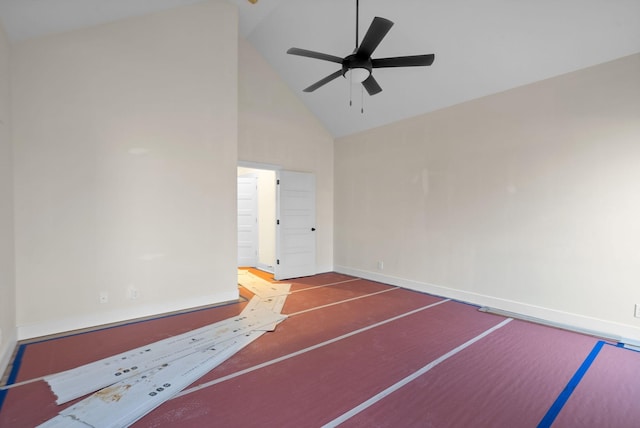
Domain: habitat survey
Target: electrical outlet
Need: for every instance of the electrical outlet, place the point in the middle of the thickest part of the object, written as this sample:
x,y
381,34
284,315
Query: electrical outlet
x,y
637,312
104,297
380,265
133,293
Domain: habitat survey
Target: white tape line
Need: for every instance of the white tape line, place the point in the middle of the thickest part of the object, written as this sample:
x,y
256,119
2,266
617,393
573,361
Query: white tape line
x,y
308,349
342,301
25,382
326,285
371,401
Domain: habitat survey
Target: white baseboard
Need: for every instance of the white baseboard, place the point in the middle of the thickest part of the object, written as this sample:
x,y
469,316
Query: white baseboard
x,y
270,269
588,325
9,342
121,315
265,268
324,269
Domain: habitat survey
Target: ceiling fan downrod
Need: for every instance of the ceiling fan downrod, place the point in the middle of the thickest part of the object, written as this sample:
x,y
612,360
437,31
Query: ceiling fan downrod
x,y
357,21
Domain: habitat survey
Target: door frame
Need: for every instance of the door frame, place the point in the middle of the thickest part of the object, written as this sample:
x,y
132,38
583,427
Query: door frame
x,y
276,169
265,167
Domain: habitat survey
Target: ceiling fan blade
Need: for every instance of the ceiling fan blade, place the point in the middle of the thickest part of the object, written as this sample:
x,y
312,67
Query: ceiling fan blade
x,y
313,54
403,61
324,81
376,32
371,85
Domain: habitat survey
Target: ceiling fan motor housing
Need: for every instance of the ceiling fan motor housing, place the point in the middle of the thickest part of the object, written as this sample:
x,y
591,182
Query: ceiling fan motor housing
x,y
355,61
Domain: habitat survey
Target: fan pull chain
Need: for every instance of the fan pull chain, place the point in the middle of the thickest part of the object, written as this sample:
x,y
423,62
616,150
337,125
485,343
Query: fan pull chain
x,y
361,99
350,89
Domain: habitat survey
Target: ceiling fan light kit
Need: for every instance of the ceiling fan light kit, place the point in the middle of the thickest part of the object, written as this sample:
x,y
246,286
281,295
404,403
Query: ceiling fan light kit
x,y
358,67
357,74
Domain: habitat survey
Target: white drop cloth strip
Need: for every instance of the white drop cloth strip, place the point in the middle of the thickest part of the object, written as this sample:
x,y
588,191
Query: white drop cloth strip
x,y
273,304
262,288
80,381
127,401
145,377
255,306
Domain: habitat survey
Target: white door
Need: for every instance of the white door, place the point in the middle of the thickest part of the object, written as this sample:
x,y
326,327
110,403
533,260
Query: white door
x,y
247,221
295,225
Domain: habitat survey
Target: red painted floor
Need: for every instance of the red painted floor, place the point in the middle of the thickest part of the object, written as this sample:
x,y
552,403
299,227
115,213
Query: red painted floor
x,y
347,340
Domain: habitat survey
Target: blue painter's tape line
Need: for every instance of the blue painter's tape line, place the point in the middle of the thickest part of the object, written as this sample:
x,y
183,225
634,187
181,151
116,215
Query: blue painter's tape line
x,y
562,399
3,394
14,373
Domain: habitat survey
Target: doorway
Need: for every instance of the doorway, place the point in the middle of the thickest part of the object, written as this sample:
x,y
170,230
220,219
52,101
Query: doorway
x,y
284,240
247,220
261,241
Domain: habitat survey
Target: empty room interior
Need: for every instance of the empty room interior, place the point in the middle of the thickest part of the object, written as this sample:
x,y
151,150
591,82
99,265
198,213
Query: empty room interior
x,y
442,230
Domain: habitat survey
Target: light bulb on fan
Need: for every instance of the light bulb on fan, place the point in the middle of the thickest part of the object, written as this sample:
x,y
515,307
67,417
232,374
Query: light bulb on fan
x,y
357,74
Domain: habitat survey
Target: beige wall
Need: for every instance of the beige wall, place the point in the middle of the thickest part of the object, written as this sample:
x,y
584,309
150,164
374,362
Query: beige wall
x,y
276,128
7,279
526,200
125,168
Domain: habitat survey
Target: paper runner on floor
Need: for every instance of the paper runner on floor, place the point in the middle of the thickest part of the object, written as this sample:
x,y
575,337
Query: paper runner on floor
x,y
125,402
177,361
271,296
83,380
261,287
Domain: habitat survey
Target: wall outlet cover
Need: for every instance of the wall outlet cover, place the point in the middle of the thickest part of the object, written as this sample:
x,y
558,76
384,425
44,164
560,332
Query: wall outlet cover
x,y
133,293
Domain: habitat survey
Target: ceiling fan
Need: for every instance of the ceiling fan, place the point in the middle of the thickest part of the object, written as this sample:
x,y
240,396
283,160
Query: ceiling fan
x,y
359,65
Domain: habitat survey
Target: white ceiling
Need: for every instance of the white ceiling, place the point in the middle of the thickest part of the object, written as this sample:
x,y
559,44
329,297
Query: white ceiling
x,y
481,46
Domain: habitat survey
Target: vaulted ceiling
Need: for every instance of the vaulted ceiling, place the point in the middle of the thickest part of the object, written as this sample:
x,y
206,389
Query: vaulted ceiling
x,y
481,46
